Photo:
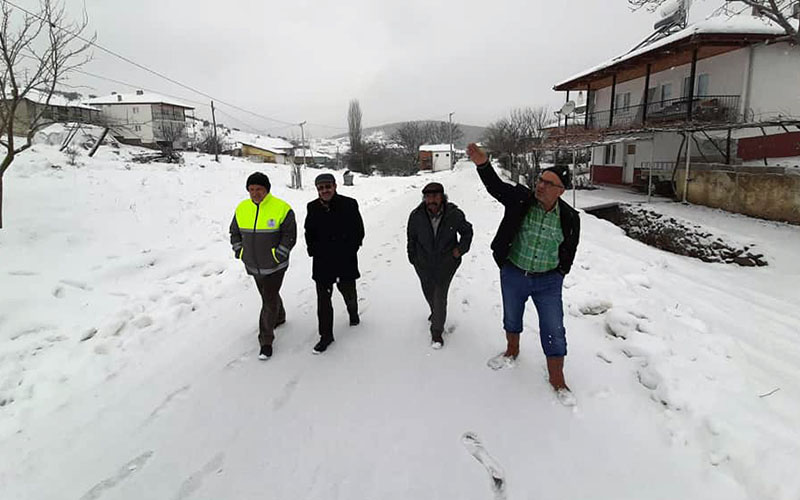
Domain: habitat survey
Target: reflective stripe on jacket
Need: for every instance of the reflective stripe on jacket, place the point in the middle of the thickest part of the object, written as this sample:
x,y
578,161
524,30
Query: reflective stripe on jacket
x,y
262,235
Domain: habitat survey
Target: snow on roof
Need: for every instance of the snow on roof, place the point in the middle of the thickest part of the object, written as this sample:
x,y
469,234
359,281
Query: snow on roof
x,y
138,98
435,147
311,153
40,97
742,25
272,144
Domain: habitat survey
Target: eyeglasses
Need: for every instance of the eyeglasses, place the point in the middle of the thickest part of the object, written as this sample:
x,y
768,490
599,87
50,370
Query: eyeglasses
x,y
549,183
324,187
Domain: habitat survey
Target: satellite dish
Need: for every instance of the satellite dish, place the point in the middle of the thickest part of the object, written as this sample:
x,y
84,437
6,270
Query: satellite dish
x,y
568,108
673,12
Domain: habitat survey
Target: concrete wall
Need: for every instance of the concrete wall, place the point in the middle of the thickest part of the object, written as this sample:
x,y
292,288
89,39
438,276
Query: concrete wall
x,y
768,193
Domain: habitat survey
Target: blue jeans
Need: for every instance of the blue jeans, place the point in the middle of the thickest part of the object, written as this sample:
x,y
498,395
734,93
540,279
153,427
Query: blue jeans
x,y
545,290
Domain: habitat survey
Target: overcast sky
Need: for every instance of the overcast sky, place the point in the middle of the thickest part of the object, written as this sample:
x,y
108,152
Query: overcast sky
x,y
296,60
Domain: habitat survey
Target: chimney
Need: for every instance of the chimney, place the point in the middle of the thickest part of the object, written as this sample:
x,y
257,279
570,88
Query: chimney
x,y
113,93
140,92
119,97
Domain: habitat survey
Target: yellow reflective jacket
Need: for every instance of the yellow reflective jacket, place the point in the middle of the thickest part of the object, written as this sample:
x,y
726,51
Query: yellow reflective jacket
x,y
262,235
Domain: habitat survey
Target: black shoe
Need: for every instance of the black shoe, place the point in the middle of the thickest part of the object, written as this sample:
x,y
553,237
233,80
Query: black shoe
x,y
354,319
265,353
322,345
280,322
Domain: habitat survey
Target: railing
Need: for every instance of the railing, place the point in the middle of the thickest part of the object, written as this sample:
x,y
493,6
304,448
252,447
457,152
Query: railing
x,y
706,109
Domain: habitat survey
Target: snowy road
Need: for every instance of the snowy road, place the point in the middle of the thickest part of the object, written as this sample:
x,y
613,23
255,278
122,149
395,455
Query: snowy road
x,y
667,358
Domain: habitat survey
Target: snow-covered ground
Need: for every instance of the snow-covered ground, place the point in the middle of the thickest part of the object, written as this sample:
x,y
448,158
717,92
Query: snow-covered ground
x,y
128,350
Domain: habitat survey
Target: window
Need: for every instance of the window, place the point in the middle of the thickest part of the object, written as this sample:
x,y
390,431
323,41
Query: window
x,y
137,128
610,154
702,85
666,91
622,102
135,110
685,87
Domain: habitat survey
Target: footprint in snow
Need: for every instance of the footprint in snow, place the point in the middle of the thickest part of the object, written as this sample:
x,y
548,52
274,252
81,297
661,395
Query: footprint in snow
x,y
195,481
22,273
122,473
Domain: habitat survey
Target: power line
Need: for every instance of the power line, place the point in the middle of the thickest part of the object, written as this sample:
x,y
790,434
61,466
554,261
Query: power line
x,y
145,68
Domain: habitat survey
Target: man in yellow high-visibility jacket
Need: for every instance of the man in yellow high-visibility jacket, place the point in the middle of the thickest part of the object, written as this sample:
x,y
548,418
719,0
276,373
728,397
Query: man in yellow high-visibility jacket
x,y
263,232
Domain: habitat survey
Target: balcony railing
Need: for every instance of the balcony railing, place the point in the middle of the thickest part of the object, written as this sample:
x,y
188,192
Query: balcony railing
x,y
706,109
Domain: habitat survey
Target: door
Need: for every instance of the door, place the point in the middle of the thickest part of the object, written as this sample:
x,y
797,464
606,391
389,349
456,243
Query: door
x,y
629,162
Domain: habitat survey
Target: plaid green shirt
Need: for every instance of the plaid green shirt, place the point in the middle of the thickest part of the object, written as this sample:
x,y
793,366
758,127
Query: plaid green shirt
x,y
535,247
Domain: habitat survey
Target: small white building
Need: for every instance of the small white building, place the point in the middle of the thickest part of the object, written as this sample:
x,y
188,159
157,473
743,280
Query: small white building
x,y
144,118
435,157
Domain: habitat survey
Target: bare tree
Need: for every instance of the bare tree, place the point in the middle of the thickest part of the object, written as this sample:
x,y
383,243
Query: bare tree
x,y
521,132
356,155
169,133
38,50
210,143
439,132
778,11
410,136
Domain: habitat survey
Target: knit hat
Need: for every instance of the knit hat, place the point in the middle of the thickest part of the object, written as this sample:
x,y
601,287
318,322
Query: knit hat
x,y
433,187
258,179
323,178
562,173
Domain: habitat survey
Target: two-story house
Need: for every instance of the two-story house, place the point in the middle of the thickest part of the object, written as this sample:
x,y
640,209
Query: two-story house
x,y
717,89
144,118
37,111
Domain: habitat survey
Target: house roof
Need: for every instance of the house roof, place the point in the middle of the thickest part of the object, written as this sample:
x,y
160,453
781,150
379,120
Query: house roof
x,y
271,144
40,97
736,27
435,147
138,98
311,154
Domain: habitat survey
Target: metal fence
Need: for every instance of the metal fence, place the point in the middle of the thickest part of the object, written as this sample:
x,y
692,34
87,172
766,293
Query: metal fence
x,y
706,109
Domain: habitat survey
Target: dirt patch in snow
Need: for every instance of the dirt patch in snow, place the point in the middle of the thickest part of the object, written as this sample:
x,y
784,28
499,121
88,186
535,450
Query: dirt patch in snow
x,y
677,236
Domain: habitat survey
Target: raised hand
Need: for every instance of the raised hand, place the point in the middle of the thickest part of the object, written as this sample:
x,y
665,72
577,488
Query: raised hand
x,y
476,154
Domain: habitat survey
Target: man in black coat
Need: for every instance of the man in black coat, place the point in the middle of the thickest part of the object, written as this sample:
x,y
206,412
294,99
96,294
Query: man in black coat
x,y
438,236
334,231
534,247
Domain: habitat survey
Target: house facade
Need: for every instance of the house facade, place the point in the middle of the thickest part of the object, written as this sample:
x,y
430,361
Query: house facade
x,y
702,86
36,110
144,118
435,157
260,148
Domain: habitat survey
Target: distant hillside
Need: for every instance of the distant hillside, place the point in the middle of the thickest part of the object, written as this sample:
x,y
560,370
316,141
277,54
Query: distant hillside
x,y
472,133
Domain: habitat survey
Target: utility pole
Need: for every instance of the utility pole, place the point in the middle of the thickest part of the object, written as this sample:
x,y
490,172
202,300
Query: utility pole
x,y
298,180
450,120
216,142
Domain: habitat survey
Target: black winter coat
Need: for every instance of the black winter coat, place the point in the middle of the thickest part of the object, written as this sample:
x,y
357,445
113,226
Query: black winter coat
x,y
433,256
517,199
334,233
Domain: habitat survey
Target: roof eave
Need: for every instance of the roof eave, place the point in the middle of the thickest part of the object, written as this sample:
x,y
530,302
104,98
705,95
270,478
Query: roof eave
x,y
695,40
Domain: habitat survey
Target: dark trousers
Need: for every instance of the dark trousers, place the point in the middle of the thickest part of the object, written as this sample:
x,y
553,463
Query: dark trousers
x,y
435,289
325,308
272,311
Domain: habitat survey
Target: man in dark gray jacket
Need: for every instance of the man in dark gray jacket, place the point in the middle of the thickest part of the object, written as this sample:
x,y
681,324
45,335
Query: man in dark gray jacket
x,y
438,236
